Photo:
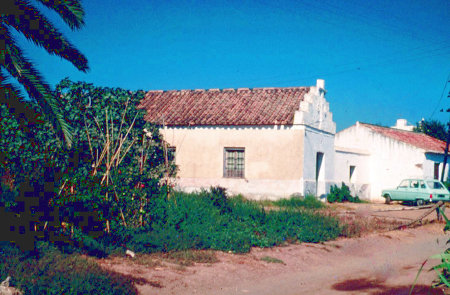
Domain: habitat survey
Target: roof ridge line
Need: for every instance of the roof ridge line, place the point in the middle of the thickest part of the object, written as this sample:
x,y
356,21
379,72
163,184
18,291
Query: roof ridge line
x,y
228,89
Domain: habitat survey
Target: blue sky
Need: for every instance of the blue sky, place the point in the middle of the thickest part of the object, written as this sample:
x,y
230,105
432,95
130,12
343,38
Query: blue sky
x,y
381,60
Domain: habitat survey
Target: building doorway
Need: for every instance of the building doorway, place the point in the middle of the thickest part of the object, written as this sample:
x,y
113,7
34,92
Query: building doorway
x,y
436,171
320,174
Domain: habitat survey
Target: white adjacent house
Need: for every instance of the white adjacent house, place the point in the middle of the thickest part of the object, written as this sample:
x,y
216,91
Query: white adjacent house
x,y
261,142
370,158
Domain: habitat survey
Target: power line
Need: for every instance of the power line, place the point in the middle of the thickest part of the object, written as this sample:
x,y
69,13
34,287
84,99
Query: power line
x,y
356,66
346,15
442,95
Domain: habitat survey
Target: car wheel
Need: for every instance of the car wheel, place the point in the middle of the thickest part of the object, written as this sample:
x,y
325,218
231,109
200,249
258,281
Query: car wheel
x,y
388,199
419,202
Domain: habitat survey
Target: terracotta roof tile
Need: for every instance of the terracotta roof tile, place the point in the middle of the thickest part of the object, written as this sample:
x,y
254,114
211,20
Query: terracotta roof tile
x,y
244,106
419,140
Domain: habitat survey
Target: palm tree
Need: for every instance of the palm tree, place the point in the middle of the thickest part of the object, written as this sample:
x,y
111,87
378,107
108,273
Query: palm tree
x,y
24,17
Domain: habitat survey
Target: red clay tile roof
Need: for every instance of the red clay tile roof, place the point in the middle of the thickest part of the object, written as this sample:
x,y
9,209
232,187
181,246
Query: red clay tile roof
x,y
419,140
257,106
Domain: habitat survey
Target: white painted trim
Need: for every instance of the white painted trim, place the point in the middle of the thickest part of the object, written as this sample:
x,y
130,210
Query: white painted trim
x,y
351,151
255,127
204,127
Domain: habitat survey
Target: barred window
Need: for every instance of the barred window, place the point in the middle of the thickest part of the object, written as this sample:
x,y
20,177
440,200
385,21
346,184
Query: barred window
x,y
234,161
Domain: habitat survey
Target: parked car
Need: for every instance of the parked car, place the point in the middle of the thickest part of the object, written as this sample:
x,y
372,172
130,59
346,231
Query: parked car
x,y
418,191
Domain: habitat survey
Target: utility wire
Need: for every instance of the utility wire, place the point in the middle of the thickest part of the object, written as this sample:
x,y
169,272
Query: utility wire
x,y
367,19
355,66
442,95
406,55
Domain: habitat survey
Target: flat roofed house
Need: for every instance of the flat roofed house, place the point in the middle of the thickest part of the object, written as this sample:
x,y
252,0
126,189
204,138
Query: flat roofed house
x,y
260,142
371,158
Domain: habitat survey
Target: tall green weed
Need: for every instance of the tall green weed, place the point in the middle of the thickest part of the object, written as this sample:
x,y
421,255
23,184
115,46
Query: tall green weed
x,y
310,202
443,268
341,194
200,221
52,272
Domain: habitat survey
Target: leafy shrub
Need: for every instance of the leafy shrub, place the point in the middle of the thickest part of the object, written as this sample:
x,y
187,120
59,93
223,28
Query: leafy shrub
x,y
57,273
8,196
219,198
206,220
199,221
119,184
341,194
309,201
84,189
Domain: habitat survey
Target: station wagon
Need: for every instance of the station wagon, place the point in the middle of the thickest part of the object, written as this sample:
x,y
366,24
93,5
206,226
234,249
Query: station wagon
x,y
418,191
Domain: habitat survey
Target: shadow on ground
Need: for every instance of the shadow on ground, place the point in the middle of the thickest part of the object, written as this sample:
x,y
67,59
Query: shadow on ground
x,y
377,287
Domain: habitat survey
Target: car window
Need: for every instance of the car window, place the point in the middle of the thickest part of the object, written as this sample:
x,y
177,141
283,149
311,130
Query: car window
x,y
414,184
404,184
422,184
435,185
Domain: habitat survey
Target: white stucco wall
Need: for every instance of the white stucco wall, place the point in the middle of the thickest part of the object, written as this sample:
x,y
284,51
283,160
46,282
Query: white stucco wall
x,y
318,141
273,158
389,160
359,183
279,161
314,110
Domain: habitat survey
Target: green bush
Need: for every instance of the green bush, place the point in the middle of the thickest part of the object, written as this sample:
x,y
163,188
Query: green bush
x,y
341,194
309,201
207,220
87,191
200,221
56,273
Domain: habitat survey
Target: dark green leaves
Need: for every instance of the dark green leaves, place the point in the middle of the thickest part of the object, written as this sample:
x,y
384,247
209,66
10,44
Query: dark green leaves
x,y
26,19
433,128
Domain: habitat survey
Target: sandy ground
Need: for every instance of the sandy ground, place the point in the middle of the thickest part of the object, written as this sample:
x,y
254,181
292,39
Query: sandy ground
x,y
377,263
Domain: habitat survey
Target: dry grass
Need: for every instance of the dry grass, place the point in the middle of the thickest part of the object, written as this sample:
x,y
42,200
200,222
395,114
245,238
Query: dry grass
x,y
181,258
190,257
272,260
147,260
356,225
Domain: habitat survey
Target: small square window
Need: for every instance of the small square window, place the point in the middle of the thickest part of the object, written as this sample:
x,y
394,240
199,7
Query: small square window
x,y
234,162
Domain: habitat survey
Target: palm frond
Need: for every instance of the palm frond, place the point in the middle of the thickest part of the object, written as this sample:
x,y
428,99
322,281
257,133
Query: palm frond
x,y
20,68
37,28
70,11
11,97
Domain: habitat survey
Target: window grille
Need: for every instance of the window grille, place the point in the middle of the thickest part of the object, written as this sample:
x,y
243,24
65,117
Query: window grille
x,y
234,162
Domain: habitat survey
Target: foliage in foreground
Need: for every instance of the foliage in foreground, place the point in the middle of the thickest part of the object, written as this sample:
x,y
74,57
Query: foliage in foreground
x,y
341,194
210,220
116,165
442,269
57,273
24,17
204,220
309,202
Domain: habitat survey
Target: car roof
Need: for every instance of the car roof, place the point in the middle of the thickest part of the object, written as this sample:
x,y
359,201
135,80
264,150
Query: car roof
x,y
422,179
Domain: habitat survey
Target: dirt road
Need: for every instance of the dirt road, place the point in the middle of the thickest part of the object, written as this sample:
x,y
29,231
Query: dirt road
x,y
382,263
